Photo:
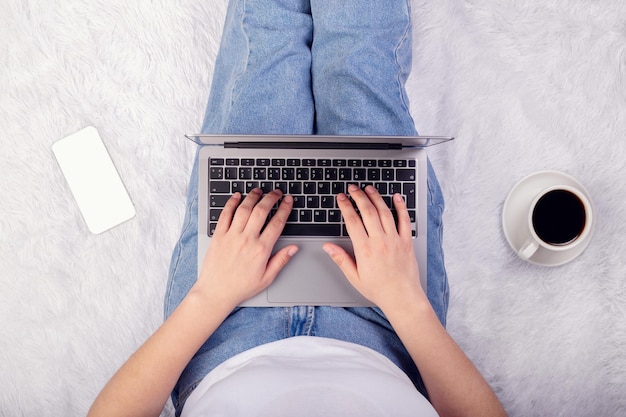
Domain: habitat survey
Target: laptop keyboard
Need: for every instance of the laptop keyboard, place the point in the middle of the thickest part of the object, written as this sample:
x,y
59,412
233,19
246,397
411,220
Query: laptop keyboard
x,y
314,185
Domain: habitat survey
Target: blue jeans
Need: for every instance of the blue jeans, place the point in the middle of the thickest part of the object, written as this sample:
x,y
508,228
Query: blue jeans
x,y
334,67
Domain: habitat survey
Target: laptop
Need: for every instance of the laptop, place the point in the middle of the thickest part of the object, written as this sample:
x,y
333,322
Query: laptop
x,y
313,169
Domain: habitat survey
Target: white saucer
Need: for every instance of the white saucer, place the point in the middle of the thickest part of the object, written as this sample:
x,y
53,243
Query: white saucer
x,y
517,206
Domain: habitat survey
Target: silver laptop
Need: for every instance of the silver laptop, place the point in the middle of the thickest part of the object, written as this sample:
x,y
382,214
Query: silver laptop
x,y
313,169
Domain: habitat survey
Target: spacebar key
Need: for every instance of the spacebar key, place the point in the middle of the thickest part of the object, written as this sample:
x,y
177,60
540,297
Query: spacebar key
x,y
302,229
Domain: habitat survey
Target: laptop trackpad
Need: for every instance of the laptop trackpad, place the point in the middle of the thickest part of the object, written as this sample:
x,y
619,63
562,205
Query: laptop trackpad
x,y
313,278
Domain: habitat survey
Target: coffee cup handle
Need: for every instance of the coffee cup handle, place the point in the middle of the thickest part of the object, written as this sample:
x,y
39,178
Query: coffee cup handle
x,y
528,249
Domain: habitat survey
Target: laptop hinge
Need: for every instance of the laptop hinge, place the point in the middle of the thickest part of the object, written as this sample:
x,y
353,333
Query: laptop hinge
x,y
312,145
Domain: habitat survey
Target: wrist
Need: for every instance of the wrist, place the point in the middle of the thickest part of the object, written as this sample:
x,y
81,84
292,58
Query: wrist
x,y
411,305
210,302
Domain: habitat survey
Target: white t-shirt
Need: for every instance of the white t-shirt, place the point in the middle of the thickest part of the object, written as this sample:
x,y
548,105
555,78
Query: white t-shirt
x,y
307,376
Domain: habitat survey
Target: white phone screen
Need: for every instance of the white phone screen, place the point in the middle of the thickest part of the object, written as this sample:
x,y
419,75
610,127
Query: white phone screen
x,y
95,183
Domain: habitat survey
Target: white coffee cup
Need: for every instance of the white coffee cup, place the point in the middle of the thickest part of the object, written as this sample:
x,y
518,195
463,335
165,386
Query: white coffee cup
x,y
559,220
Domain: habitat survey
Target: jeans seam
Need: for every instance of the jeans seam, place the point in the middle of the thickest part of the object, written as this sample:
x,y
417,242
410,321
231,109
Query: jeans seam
x,y
244,4
310,319
407,30
179,251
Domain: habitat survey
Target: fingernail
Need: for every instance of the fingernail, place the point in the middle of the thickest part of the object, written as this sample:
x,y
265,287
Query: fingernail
x,y
292,251
329,250
341,197
398,198
370,189
353,187
288,198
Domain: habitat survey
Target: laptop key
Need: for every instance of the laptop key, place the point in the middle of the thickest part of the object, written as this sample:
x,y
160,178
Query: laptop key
x,y
295,187
230,173
338,187
299,201
219,186
218,200
214,214
408,190
319,216
288,174
323,187
273,174
373,174
395,187
313,201
399,163
267,186
334,216
317,174
306,216
405,175
259,173
312,229
238,186
245,173
216,173
327,201
251,185
282,186
293,216
310,188
302,174
359,174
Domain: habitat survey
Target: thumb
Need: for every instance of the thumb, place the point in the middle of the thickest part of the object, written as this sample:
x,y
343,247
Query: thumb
x,y
277,262
343,260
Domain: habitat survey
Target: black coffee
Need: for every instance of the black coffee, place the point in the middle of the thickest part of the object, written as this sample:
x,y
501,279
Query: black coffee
x,y
559,217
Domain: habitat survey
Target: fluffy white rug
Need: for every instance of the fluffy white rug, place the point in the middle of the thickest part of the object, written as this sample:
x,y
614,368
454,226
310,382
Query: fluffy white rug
x,y
523,86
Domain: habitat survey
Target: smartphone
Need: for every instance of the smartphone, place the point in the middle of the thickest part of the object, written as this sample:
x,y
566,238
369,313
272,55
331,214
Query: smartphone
x,y
93,180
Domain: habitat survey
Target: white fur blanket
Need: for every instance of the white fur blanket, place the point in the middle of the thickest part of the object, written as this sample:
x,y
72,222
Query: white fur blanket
x,y
524,86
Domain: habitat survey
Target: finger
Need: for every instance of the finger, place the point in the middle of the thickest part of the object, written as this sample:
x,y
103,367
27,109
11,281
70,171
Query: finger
x,y
261,211
384,213
243,212
277,262
344,261
226,216
276,225
404,221
369,213
353,222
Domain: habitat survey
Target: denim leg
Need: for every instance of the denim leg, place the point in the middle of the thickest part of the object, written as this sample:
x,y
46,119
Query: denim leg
x,y
262,78
361,60
261,85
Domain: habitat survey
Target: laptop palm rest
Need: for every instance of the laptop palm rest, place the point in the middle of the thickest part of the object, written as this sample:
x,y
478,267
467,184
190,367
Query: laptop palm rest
x,y
321,283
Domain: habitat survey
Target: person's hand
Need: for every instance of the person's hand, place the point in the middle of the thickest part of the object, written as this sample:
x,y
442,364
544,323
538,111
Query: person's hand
x,y
237,265
385,271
